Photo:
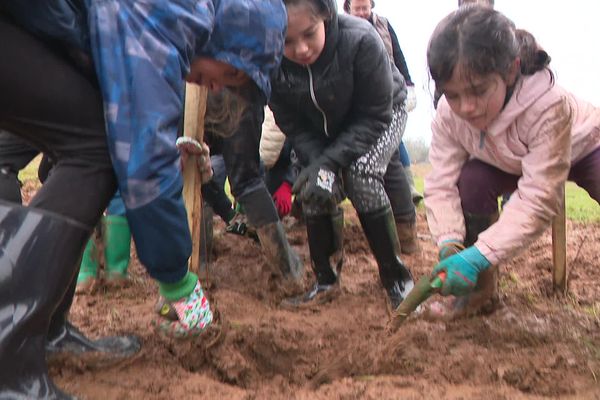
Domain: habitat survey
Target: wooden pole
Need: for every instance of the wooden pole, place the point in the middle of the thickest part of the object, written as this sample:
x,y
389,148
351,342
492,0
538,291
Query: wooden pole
x,y
559,248
193,126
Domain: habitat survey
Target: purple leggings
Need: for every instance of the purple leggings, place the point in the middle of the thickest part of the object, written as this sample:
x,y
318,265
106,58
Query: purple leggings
x,y
481,184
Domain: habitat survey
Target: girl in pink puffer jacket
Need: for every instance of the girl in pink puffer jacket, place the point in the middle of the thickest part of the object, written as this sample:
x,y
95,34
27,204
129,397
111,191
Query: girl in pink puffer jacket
x,y
502,126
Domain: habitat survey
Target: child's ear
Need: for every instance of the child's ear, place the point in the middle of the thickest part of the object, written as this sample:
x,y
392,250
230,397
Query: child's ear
x,y
513,73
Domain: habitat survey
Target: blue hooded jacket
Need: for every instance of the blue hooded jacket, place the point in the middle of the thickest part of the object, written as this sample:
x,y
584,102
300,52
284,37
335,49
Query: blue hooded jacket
x,y
142,50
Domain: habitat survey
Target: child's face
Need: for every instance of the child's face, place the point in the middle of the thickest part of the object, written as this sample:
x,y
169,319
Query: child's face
x,y
305,37
215,75
361,8
476,99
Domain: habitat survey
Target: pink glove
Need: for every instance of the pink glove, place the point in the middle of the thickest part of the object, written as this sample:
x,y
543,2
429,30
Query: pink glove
x,y
283,199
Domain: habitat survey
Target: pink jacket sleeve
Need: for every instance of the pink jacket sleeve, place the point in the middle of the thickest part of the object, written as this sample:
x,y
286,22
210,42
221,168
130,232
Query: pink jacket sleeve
x,y
443,208
536,200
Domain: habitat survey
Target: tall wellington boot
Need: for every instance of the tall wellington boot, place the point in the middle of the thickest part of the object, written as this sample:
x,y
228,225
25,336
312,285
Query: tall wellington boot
x,y
117,243
39,255
380,230
67,343
278,251
325,243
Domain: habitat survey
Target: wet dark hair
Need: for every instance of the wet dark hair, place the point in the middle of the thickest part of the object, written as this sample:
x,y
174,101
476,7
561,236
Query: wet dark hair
x,y
482,41
325,9
348,4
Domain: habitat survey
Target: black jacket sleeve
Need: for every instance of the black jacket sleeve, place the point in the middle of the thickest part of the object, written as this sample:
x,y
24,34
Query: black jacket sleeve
x,y
371,110
399,59
308,145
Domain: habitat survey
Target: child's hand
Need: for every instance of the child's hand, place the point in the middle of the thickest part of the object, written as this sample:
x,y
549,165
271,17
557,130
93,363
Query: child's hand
x,y
189,147
462,270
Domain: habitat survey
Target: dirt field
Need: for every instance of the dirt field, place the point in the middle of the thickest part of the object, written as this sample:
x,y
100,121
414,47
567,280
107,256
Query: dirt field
x,y
537,345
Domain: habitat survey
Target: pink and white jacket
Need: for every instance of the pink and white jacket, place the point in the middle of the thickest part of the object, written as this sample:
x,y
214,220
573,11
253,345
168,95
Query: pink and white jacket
x,y
541,131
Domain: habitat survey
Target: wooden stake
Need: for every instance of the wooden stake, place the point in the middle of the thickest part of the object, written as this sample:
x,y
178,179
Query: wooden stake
x,y
559,248
193,126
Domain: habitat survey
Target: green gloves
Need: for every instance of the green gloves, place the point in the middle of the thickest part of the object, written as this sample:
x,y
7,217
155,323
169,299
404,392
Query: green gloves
x,y
462,270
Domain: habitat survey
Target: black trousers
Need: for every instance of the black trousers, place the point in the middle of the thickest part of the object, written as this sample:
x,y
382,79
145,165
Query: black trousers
x,y
57,110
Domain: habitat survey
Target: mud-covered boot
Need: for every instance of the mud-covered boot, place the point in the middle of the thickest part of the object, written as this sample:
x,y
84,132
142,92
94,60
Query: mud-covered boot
x,y
380,230
407,236
325,242
279,253
484,299
117,244
39,256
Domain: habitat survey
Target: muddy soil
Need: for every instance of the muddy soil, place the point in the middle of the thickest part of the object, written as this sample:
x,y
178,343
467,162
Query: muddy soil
x,y
537,345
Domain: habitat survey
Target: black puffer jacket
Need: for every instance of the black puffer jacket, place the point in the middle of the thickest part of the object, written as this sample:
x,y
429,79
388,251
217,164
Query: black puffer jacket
x,y
338,107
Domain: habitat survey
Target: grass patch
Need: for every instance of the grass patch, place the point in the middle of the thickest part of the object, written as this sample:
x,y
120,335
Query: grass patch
x,y
580,206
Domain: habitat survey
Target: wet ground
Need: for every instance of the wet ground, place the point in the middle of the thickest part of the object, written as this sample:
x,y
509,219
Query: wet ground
x,y
536,345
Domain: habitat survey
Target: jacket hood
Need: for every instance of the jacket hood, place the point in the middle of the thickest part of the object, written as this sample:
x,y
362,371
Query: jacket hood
x,y
249,35
527,91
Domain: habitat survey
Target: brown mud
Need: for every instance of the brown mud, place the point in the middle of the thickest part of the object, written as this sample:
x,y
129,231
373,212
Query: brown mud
x,y
537,345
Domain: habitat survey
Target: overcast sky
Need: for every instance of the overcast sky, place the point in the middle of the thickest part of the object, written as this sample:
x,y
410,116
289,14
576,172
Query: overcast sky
x,y
568,30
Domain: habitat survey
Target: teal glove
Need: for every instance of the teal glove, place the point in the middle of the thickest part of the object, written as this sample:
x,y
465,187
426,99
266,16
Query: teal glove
x,y
462,271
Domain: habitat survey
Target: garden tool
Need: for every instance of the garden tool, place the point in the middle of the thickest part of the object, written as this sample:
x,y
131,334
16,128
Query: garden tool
x,y
424,289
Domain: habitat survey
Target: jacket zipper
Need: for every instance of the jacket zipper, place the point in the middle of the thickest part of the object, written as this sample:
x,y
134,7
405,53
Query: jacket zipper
x,y
481,139
314,99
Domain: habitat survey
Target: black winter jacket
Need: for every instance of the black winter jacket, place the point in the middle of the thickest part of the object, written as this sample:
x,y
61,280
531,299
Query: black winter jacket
x,y
336,108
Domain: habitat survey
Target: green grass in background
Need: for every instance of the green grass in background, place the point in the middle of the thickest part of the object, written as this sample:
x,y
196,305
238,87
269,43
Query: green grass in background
x,y
580,206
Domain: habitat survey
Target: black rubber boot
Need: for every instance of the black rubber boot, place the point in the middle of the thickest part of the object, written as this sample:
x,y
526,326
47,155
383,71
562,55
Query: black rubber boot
x,y
278,251
325,242
65,342
38,258
380,230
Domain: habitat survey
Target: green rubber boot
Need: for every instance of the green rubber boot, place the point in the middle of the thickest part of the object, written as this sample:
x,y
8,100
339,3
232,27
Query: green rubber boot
x,y
117,242
87,280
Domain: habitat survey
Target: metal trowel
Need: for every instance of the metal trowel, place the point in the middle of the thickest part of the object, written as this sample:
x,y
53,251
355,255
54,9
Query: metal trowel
x,y
421,292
